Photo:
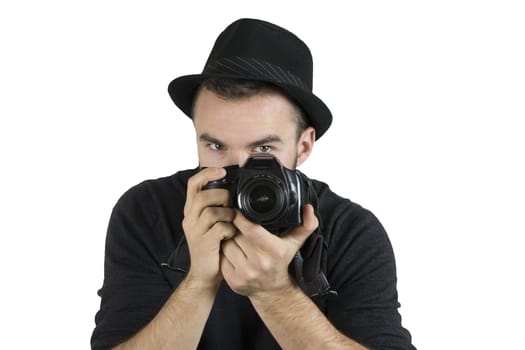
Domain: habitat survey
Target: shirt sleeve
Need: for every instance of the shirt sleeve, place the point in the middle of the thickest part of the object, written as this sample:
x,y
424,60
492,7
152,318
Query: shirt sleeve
x,y
134,289
361,267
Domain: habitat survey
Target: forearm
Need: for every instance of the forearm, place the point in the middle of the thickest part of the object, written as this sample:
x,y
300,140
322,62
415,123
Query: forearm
x,y
180,322
296,322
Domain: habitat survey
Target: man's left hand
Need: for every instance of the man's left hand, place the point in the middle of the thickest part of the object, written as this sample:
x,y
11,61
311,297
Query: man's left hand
x,y
256,261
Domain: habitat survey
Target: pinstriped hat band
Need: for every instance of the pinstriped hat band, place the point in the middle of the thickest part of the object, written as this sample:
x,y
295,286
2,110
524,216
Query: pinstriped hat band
x,y
252,49
253,68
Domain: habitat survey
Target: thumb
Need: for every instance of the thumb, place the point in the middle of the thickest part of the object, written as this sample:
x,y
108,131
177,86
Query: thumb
x,y
299,234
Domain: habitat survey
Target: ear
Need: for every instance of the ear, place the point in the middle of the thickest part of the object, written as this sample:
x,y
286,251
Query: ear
x,y
305,145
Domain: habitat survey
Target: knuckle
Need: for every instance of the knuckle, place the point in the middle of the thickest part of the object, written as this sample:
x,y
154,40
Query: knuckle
x,y
251,275
199,179
186,224
265,266
192,181
280,254
314,224
208,214
223,229
219,227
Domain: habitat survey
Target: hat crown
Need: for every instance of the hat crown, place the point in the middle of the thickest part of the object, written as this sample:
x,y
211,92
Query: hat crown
x,y
253,49
265,48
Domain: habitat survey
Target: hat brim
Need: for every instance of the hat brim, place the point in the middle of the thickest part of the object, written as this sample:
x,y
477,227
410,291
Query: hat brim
x,y
182,91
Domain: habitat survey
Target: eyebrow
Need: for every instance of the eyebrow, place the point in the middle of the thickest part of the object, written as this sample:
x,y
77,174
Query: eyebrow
x,y
208,138
265,140
205,137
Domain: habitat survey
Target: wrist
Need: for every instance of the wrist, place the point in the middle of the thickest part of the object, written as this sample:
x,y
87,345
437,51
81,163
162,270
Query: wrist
x,y
199,285
280,296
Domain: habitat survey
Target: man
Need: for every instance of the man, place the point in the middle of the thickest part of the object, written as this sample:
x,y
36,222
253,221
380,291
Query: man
x,y
185,269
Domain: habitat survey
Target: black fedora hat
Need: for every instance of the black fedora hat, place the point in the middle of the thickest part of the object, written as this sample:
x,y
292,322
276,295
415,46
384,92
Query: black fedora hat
x,y
257,50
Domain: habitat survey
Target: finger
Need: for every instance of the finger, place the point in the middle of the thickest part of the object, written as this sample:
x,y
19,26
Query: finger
x,y
253,236
201,214
212,214
248,228
209,218
226,266
222,231
197,181
233,253
216,197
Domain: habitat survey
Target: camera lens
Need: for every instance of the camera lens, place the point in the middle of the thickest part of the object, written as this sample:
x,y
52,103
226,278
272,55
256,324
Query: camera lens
x,y
262,200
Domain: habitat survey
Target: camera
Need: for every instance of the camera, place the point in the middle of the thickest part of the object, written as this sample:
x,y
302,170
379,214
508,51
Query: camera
x,y
266,192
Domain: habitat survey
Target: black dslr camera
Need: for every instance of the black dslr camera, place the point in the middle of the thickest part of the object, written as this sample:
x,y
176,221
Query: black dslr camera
x,y
266,192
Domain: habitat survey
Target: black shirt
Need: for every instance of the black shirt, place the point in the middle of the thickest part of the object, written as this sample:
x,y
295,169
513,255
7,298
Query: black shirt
x,y
146,226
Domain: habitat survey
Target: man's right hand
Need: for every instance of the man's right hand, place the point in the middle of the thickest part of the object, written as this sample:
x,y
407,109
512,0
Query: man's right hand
x,y
207,221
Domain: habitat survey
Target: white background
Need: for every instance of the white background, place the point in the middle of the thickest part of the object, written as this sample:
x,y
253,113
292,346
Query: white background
x,y
428,104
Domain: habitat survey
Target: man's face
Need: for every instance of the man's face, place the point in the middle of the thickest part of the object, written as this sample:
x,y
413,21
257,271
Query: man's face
x,y
228,131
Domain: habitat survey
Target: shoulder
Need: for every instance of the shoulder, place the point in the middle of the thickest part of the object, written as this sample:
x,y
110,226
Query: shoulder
x,y
358,245
149,212
334,207
154,191
347,226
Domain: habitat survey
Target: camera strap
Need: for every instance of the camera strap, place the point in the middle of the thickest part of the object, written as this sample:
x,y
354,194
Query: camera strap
x,y
306,266
179,259
309,263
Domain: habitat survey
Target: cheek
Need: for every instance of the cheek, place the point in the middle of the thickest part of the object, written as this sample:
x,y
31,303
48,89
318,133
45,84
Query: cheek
x,y
207,158
219,159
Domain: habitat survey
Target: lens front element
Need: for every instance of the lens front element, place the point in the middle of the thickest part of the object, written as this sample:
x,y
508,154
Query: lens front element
x,y
262,199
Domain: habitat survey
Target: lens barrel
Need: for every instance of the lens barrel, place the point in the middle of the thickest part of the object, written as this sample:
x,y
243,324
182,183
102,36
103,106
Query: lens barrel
x,y
262,199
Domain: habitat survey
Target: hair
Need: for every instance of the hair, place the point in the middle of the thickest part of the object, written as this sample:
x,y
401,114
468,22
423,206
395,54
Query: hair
x,y
241,88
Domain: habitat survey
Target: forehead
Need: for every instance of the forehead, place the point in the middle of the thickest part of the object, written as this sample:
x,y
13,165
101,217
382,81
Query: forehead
x,y
255,116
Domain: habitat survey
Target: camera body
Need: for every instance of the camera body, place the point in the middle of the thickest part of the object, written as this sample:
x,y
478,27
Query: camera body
x,y
266,193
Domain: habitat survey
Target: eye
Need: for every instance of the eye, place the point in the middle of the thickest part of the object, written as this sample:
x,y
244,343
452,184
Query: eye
x,y
263,149
215,146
